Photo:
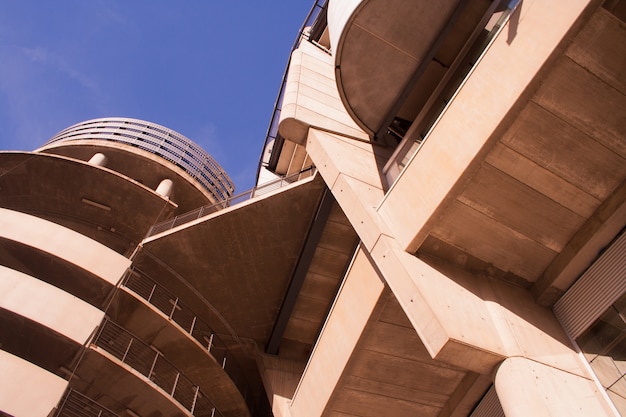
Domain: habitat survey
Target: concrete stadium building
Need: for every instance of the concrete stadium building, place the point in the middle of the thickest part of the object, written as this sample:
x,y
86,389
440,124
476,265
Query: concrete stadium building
x,y
445,237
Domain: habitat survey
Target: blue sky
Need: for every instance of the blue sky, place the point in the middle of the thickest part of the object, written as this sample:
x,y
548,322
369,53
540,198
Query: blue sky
x,y
208,69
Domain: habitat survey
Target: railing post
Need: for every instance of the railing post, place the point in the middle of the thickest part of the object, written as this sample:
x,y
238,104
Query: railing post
x,y
175,384
224,362
127,349
174,308
97,332
195,398
213,412
210,343
156,356
151,293
193,324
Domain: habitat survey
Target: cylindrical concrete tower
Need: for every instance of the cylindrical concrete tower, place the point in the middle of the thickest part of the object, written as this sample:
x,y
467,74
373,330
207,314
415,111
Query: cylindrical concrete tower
x,y
150,145
82,332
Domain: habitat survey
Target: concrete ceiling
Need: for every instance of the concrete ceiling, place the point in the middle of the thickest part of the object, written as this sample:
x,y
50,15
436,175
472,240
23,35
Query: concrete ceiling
x,y
239,261
562,157
332,256
36,343
391,373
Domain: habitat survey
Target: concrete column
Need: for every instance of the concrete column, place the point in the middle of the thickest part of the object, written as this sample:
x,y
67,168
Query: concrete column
x,y
165,188
344,326
99,159
529,388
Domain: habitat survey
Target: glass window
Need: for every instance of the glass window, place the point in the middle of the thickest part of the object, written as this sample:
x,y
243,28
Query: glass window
x,y
604,346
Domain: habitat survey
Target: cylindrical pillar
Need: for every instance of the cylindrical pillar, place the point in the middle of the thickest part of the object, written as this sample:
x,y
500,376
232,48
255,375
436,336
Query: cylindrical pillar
x,y
165,188
98,159
529,388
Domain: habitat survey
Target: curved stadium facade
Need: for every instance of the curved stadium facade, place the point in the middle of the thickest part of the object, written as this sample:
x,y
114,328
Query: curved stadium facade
x,y
103,328
456,248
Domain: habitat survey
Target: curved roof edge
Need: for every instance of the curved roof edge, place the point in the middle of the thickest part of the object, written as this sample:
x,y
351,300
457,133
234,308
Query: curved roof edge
x,y
158,140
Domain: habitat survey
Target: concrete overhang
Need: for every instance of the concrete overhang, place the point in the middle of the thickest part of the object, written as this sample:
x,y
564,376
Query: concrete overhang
x,y
47,305
97,202
17,400
191,358
37,344
142,166
56,271
410,40
241,256
60,242
119,387
536,188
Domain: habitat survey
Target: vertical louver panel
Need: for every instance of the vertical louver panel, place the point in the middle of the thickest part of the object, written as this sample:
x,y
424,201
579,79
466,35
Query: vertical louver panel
x,y
599,287
489,406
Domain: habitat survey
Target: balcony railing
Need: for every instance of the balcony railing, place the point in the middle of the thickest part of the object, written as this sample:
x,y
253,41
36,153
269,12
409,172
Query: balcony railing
x,y
271,135
152,364
212,208
445,92
181,314
75,404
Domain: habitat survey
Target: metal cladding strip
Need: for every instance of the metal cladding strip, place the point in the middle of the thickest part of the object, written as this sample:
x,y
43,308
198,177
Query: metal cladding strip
x,y
489,406
599,287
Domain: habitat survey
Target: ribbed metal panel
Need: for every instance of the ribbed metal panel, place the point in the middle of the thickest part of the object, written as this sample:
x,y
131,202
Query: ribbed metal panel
x,y
489,406
599,287
159,140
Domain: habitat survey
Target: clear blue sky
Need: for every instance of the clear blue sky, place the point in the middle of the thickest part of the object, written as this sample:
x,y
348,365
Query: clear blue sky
x,y
209,69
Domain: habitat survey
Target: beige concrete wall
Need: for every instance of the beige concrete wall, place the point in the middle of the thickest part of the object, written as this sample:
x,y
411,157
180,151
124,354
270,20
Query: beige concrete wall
x,y
339,12
464,319
311,97
510,64
27,390
352,309
47,305
63,243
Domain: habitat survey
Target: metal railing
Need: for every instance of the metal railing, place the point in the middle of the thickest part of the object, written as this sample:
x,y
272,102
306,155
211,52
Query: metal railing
x,y
425,122
181,314
152,364
272,129
75,404
239,198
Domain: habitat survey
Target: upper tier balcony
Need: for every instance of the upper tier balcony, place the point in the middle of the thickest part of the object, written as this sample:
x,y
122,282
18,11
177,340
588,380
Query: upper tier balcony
x,y
391,55
156,315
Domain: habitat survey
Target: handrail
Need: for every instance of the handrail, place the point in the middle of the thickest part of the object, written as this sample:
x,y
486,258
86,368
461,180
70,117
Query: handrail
x,y
75,404
413,139
181,314
152,364
272,129
239,198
